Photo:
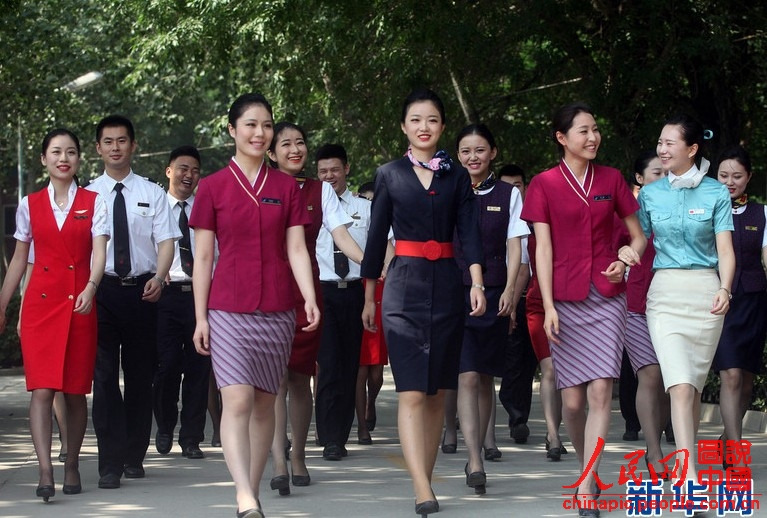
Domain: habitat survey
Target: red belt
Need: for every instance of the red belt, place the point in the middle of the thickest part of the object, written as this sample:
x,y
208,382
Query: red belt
x,y
431,250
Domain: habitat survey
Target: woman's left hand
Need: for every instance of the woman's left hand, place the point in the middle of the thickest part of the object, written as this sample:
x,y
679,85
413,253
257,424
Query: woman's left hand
x,y
312,315
506,304
721,302
478,302
615,271
84,302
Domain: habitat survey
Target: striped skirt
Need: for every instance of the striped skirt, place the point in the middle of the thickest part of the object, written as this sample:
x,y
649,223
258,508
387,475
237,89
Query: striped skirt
x,y
591,334
638,343
683,330
251,348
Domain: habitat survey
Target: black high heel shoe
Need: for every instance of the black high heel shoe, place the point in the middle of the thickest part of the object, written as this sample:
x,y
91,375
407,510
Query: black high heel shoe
x,y
281,483
426,507
45,492
476,480
448,448
73,489
255,512
555,453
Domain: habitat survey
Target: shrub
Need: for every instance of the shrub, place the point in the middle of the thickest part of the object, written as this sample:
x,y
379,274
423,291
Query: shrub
x,y
10,347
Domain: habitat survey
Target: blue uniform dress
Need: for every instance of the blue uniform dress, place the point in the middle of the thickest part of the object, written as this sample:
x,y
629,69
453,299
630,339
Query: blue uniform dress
x,y
422,308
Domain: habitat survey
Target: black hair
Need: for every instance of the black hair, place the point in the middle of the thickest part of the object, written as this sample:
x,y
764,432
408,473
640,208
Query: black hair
x,y
367,186
278,129
739,154
420,95
513,170
244,102
563,119
640,164
691,130
115,121
331,151
476,129
184,151
58,132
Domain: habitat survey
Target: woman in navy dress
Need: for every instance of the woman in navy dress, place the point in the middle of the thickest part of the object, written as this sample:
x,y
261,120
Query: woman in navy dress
x,y
738,357
424,197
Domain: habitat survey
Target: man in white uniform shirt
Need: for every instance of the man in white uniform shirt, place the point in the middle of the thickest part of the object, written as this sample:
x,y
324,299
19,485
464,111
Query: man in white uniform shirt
x,y
138,258
343,298
176,322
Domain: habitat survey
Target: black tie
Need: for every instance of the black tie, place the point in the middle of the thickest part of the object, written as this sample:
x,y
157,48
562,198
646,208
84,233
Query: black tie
x,y
185,243
340,261
122,241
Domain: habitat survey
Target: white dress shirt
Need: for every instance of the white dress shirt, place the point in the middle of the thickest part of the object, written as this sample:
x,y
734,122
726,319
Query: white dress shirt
x,y
149,220
176,273
359,211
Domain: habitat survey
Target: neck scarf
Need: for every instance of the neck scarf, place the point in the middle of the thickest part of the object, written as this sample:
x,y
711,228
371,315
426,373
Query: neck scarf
x,y
740,202
485,184
692,178
440,163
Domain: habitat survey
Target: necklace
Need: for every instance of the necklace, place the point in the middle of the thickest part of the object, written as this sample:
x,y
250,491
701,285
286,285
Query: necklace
x,y
61,203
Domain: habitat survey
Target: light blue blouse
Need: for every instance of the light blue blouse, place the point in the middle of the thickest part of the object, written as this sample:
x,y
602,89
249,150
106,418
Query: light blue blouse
x,y
684,222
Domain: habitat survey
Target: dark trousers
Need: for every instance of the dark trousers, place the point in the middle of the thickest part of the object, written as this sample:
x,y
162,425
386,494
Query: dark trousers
x,y
177,356
516,391
339,361
127,337
627,393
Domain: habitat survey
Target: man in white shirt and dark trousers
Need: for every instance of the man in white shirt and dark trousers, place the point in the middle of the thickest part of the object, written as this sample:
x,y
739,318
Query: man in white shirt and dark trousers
x,y
176,323
138,258
343,298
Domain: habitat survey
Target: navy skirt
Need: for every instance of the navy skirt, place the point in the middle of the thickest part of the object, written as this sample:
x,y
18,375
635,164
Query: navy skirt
x,y
745,326
485,337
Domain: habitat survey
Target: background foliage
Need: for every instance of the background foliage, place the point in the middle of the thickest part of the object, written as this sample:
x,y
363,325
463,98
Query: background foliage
x,y
341,68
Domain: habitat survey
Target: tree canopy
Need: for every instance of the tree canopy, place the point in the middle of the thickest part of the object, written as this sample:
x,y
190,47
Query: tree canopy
x,y
341,69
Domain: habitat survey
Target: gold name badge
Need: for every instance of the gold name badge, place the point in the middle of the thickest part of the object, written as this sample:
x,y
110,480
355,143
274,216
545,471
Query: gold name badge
x,y
310,207
749,227
493,208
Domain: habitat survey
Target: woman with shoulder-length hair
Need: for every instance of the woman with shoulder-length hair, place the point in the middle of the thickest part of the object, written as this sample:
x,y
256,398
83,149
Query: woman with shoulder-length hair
x,y
572,207
690,219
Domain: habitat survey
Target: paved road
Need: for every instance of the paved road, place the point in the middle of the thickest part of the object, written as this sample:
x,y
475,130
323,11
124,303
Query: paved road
x,y
370,482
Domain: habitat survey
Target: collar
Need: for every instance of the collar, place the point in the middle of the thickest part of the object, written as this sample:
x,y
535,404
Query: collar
x,y
691,178
72,189
346,195
174,201
127,181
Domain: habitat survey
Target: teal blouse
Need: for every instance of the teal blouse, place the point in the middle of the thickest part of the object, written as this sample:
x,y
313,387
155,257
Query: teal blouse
x,y
684,222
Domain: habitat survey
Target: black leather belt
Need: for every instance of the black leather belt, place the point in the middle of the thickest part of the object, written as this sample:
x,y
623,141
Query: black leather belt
x,y
127,281
342,285
182,286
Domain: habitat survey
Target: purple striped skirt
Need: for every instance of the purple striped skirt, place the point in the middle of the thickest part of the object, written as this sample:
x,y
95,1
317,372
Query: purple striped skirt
x,y
591,332
251,348
638,343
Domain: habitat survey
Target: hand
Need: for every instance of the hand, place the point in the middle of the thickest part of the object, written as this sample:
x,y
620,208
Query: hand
x,y
201,337
615,272
512,321
152,290
628,255
84,302
506,304
721,302
369,316
551,325
478,302
312,315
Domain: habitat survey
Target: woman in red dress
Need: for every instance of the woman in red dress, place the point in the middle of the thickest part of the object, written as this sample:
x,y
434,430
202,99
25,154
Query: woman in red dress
x,y
69,228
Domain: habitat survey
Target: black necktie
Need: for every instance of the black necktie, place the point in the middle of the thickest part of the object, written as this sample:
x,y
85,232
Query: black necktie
x,y
185,243
122,241
340,261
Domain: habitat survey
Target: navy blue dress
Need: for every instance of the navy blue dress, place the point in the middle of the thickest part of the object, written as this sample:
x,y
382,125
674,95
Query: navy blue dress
x,y
422,308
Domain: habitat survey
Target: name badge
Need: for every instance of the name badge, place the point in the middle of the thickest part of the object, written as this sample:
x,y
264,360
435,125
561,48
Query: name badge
x,y
271,201
749,227
493,208
143,204
310,207
692,212
603,197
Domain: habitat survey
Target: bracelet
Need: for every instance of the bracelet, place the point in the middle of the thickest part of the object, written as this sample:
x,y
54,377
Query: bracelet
x,y
161,281
624,263
729,293
480,286
95,286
